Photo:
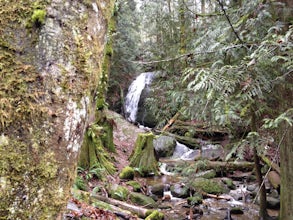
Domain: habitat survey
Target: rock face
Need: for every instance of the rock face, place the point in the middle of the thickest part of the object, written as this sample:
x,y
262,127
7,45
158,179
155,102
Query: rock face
x,y
50,66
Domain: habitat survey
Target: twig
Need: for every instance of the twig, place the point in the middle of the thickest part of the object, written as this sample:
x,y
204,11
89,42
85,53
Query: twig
x,y
228,19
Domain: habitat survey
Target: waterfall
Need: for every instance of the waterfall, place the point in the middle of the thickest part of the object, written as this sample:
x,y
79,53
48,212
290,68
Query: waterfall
x,y
184,153
134,92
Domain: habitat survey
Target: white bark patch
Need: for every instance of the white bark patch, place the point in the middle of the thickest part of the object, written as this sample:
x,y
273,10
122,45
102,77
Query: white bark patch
x,y
75,115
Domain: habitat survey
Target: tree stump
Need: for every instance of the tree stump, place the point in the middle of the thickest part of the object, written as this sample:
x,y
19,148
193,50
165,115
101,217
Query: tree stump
x,y
143,157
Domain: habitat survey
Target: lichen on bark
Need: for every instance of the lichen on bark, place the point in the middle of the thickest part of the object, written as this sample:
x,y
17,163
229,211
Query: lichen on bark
x,y
51,54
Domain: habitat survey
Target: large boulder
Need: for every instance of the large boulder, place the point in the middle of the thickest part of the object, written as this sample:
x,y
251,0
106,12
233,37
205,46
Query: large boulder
x,y
164,146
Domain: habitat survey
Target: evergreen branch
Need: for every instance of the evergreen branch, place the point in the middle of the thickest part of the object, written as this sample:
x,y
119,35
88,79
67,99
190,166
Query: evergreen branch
x,y
229,21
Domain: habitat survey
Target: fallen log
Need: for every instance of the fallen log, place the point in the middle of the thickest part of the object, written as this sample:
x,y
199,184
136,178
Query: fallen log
x,y
230,166
192,142
141,212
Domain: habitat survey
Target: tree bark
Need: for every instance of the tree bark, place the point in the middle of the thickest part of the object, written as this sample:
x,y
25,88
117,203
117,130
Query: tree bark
x,y
51,55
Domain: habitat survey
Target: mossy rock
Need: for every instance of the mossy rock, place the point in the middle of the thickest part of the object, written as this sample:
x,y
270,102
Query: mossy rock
x,y
142,200
135,185
119,193
195,200
229,183
208,174
127,173
155,215
207,186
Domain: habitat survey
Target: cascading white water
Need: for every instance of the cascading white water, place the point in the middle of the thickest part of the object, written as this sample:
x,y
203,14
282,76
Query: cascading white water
x,y
182,152
134,92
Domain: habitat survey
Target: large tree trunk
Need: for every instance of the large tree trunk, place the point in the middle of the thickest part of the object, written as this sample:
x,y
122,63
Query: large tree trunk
x,y
50,65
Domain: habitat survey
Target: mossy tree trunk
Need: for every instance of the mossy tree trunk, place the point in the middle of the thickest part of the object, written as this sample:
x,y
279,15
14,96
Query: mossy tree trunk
x,y
143,156
286,152
51,55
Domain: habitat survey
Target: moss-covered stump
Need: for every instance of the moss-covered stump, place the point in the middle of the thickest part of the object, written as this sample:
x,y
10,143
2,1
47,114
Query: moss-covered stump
x,y
143,156
127,173
142,200
51,55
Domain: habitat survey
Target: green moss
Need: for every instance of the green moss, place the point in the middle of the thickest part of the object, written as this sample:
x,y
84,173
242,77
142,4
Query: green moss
x,y
120,193
135,185
38,17
195,200
143,156
155,215
207,186
141,199
127,173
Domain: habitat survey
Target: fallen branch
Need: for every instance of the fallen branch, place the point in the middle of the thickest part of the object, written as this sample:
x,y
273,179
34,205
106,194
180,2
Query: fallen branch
x,y
141,212
228,198
171,121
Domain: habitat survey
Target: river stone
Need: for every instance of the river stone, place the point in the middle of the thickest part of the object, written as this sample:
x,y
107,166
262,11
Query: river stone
x,y
207,185
158,189
212,151
180,191
273,203
274,179
164,146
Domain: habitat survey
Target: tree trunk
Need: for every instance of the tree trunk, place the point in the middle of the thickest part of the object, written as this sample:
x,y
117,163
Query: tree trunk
x,y
286,152
50,65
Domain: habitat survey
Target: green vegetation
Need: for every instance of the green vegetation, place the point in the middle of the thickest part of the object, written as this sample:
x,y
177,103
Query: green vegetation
x,y
38,17
155,215
127,173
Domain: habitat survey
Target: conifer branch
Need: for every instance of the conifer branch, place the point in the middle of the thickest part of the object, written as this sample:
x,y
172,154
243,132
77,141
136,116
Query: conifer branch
x,y
229,21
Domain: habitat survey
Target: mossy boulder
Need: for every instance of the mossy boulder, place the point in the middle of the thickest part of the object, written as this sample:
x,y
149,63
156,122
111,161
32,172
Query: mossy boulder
x,y
207,186
229,183
155,215
208,174
127,173
135,185
180,191
158,189
164,146
142,200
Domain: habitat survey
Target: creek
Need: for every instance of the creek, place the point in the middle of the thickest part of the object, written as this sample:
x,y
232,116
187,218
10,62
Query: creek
x,y
237,202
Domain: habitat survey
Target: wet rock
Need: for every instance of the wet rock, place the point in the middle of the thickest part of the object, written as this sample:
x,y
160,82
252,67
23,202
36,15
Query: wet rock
x,y
252,187
273,203
164,146
212,152
236,211
157,189
180,190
